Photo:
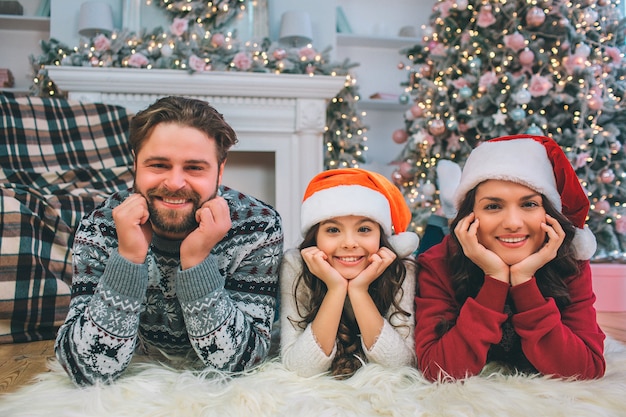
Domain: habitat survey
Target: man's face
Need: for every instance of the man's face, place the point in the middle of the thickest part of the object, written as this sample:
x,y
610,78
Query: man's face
x,y
176,170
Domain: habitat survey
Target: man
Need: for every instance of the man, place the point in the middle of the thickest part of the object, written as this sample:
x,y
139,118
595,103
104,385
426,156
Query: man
x,y
179,264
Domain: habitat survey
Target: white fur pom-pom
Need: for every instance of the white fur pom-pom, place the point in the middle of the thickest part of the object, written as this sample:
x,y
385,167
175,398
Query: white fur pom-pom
x,y
404,244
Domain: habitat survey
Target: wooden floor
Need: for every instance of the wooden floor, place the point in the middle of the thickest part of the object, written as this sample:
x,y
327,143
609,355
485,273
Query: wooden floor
x,y
21,362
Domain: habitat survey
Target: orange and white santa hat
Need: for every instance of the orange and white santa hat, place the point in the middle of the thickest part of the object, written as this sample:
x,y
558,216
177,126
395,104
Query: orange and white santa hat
x,y
358,192
539,163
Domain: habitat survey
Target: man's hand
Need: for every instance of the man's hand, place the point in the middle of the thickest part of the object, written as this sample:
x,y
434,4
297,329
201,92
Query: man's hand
x,y
134,232
214,222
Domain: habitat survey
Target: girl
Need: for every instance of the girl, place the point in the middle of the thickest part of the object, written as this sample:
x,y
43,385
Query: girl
x,y
512,284
347,292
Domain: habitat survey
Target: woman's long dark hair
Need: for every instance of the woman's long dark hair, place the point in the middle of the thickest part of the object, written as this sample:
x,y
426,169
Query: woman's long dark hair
x,y
468,278
385,291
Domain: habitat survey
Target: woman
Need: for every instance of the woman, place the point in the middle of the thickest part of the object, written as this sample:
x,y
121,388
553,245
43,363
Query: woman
x,y
512,284
347,292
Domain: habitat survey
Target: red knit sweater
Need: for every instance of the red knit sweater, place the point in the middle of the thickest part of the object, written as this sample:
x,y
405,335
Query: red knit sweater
x,y
567,343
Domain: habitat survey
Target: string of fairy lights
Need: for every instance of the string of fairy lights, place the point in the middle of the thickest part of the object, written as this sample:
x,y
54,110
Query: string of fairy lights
x,y
199,40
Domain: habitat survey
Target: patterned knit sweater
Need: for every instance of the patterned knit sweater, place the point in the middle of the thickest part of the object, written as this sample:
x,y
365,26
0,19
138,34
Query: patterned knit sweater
x,y
219,311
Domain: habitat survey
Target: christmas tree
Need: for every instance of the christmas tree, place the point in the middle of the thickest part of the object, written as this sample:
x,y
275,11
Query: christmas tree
x,y
345,131
488,68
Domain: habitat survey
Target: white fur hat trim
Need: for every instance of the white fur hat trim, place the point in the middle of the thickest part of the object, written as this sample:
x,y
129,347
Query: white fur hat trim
x,y
345,200
501,161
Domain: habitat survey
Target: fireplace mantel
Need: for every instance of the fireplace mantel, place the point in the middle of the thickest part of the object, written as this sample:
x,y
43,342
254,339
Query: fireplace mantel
x,y
284,114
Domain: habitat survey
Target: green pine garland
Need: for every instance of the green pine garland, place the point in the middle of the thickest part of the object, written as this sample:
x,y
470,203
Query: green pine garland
x,y
197,41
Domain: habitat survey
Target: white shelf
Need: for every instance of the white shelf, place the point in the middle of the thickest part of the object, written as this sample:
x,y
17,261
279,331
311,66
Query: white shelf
x,y
380,104
17,22
350,39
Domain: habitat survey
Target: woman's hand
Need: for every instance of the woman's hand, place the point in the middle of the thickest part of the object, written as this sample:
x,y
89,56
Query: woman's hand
x,y
491,264
526,269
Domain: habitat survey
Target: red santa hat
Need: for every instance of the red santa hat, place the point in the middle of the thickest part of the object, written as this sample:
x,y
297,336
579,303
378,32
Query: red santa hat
x,y
539,163
357,192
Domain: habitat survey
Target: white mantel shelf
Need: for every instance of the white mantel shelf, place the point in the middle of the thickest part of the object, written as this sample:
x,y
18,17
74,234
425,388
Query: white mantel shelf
x,y
280,113
215,83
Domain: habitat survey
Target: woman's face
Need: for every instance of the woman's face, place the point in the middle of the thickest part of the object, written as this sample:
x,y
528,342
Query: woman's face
x,y
348,241
510,217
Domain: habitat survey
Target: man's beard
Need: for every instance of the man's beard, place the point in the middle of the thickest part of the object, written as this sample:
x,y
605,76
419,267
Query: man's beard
x,y
171,221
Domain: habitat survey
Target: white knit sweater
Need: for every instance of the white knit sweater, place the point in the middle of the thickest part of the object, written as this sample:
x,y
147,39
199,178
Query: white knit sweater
x,y
301,353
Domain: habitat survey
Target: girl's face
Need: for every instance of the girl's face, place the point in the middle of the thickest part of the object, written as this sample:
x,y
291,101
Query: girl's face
x,y
348,241
510,217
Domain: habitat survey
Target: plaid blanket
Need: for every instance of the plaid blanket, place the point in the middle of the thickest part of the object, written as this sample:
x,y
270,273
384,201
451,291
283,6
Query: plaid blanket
x,y
58,160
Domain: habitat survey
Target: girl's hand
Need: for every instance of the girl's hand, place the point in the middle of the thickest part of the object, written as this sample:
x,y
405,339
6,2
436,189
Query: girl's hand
x,y
491,264
379,262
526,269
317,261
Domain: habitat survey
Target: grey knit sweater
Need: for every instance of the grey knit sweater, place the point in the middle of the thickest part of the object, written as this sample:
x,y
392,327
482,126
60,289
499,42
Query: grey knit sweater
x,y
220,311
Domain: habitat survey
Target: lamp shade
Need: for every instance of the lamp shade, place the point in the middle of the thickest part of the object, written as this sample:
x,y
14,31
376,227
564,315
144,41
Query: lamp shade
x,y
95,18
295,28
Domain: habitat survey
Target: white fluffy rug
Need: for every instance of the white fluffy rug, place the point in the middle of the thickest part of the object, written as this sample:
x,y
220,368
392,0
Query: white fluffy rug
x,y
153,390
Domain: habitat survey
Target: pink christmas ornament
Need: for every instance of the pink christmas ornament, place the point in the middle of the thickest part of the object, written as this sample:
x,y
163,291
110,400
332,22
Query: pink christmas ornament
x,y
526,57
416,110
396,177
436,127
535,17
595,103
399,136
217,40
405,170
606,176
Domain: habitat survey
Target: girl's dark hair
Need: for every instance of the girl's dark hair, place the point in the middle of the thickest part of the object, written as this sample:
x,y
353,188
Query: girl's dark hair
x,y
385,291
468,278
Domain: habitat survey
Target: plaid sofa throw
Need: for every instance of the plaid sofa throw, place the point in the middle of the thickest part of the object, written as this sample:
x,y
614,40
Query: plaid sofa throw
x,y
58,160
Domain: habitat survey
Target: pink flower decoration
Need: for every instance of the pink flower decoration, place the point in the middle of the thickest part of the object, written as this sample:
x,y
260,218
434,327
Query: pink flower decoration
x,y
444,8
581,160
438,49
217,40
196,63
515,41
460,83
602,206
137,60
485,17
620,225
487,79
308,53
179,26
573,63
242,61
539,85
101,43
614,54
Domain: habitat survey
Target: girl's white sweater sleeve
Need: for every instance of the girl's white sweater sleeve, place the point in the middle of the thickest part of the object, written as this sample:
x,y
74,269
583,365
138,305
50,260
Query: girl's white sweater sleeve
x,y
299,350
